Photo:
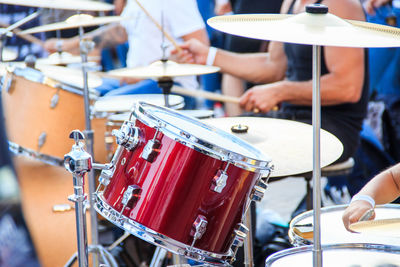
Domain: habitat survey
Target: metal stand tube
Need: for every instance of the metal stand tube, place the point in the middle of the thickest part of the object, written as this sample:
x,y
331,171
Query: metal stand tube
x,y
316,122
84,50
248,242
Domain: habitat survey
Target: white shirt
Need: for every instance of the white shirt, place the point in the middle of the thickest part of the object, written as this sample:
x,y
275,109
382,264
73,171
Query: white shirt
x,y
180,17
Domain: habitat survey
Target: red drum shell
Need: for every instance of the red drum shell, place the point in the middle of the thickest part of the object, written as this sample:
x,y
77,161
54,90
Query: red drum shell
x,y
176,190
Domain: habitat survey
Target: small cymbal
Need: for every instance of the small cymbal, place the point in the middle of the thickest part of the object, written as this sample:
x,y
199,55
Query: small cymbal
x,y
161,69
63,58
75,21
288,143
9,55
82,5
306,28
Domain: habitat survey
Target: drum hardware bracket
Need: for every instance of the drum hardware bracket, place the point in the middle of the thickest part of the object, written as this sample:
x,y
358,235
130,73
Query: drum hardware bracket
x,y
240,236
127,136
199,227
131,191
7,81
219,180
54,100
152,148
257,193
42,140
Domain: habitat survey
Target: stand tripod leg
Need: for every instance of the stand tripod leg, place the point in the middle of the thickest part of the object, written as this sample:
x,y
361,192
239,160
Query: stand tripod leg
x,y
248,243
158,257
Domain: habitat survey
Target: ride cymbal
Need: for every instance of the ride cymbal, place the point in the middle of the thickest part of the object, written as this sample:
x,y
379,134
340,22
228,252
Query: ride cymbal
x,y
81,5
63,58
160,69
308,28
75,21
288,143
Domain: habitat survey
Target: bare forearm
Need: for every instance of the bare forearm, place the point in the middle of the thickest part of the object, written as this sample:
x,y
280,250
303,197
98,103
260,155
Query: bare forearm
x,y
254,67
384,187
108,36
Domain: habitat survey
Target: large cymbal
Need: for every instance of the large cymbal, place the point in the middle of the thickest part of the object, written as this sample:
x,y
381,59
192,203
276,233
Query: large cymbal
x,y
288,143
305,28
75,21
160,69
82,5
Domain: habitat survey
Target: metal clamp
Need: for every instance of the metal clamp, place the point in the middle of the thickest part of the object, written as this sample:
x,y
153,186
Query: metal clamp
x,y
78,161
152,148
128,135
219,180
257,193
199,227
131,191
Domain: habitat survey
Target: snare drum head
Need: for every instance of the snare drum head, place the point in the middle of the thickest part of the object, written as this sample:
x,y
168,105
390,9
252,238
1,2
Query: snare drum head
x,y
198,113
124,103
351,255
205,138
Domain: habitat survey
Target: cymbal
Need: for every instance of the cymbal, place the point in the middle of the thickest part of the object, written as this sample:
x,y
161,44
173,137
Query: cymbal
x,y
63,58
82,5
160,69
288,143
9,55
69,76
306,28
75,21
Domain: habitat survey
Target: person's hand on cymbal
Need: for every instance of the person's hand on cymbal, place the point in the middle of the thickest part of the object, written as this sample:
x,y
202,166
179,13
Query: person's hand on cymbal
x,y
355,211
262,98
193,51
371,5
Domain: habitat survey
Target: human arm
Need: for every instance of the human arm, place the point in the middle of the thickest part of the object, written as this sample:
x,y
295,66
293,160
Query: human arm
x,y
371,5
383,188
105,36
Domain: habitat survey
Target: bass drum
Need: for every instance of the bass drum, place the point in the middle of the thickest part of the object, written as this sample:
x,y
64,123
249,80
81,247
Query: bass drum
x,y
40,113
360,255
181,184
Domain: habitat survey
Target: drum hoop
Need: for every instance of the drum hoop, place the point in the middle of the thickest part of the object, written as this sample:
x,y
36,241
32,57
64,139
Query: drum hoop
x,y
198,144
37,76
363,246
156,238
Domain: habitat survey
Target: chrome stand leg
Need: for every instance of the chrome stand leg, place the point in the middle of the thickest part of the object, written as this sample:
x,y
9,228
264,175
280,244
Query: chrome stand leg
x,y
248,242
158,257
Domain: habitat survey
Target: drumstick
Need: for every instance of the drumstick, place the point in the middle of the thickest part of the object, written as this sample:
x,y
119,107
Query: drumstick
x,y
27,37
177,47
207,95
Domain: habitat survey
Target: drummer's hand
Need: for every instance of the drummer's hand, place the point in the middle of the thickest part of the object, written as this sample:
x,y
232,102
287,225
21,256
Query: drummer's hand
x,y
193,51
261,98
354,211
222,8
128,80
371,5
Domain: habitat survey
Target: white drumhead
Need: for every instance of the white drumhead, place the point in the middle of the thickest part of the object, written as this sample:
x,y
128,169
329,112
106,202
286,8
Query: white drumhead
x,y
193,133
198,113
333,231
124,103
334,256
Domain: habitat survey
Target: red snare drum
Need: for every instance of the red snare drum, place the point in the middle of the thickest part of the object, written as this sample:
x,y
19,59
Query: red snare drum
x,y
181,184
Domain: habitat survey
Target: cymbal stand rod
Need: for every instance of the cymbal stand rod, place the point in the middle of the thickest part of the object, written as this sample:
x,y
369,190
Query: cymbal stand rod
x,y
85,47
248,243
166,84
316,122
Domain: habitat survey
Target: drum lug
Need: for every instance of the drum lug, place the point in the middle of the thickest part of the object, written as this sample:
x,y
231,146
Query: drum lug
x,y
219,180
152,148
257,193
199,227
41,140
131,191
54,100
7,80
127,136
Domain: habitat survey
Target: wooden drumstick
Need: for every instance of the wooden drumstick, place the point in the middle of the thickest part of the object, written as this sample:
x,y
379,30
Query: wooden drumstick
x,y
169,37
27,37
207,95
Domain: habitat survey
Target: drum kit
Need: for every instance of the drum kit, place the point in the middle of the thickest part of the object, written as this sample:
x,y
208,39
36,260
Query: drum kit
x,y
179,183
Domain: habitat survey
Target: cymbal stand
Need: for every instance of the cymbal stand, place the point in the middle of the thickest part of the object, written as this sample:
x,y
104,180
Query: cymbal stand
x,y
85,47
7,32
165,83
248,241
78,162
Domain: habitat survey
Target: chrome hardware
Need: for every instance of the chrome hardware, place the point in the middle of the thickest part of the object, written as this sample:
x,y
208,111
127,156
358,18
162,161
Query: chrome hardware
x,y
199,227
54,100
152,148
240,235
219,180
77,161
7,81
105,176
131,190
257,194
127,136
41,140
260,183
